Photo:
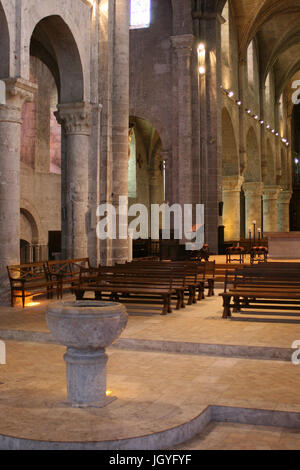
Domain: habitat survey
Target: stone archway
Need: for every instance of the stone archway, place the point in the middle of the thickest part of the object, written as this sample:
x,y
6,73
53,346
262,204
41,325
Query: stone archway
x,y
231,180
59,51
252,185
4,45
53,43
146,183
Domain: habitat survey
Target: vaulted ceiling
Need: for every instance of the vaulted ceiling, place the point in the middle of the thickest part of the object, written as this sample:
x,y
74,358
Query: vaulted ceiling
x,y
276,24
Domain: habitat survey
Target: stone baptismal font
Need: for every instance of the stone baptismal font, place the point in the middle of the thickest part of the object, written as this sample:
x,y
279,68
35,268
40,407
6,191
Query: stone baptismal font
x,y
86,328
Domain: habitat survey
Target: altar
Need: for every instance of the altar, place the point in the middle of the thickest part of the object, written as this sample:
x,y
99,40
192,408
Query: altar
x,y
284,245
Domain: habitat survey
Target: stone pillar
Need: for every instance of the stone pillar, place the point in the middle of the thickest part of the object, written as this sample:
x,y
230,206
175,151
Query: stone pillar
x,y
270,214
207,27
76,120
284,199
232,207
120,120
253,193
18,91
242,116
183,46
168,174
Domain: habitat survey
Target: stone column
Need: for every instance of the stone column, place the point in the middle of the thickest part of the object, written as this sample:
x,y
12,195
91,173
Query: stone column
x,y
284,199
183,46
270,214
166,156
253,193
120,121
232,207
76,120
18,91
207,27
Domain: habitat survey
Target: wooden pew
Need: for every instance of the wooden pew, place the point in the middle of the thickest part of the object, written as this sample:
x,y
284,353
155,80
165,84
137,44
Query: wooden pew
x,y
66,272
28,280
277,288
120,281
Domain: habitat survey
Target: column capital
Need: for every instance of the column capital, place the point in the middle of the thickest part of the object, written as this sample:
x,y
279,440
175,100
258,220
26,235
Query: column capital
x,y
9,113
254,189
183,44
209,16
232,183
271,192
76,118
284,197
19,91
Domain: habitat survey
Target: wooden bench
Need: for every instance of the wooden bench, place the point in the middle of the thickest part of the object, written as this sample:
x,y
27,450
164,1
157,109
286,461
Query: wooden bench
x,y
66,272
200,274
28,280
269,289
121,281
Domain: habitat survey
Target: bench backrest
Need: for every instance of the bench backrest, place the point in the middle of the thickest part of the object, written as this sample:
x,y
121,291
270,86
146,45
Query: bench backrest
x,y
69,267
27,272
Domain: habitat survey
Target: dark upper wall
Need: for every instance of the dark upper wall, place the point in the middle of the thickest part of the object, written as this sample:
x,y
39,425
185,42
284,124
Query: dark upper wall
x,y
151,71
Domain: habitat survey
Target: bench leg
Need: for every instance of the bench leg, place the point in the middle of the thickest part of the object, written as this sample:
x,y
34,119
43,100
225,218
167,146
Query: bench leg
x,y
182,299
200,294
226,305
202,285
79,294
178,303
98,295
211,287
237,305
191,296
166,305
169,304
23,298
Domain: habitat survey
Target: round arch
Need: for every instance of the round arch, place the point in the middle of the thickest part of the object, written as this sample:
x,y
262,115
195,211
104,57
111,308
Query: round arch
x,y
229,148
4,45
157,124
33,237
29,211
60,53
269,165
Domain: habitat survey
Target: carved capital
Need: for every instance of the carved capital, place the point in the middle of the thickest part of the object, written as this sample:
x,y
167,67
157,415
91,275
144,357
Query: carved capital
x,y
284,197
183,45
76,118
253,189
19,91
232,183
270,192
10,113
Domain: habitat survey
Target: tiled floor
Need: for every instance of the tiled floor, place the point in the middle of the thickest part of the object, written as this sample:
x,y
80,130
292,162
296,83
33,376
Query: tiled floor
x,y
155,390
201,323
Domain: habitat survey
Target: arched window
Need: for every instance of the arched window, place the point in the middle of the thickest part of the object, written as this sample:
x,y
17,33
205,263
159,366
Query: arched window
x,y
140,14
268,90
250,64
225,35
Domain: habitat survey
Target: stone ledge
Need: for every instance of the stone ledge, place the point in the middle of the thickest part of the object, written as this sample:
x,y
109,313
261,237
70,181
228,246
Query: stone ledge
x,y
174,347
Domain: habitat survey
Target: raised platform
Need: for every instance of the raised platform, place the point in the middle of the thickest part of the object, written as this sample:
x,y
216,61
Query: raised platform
x,y
174,376
162,400
284,245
